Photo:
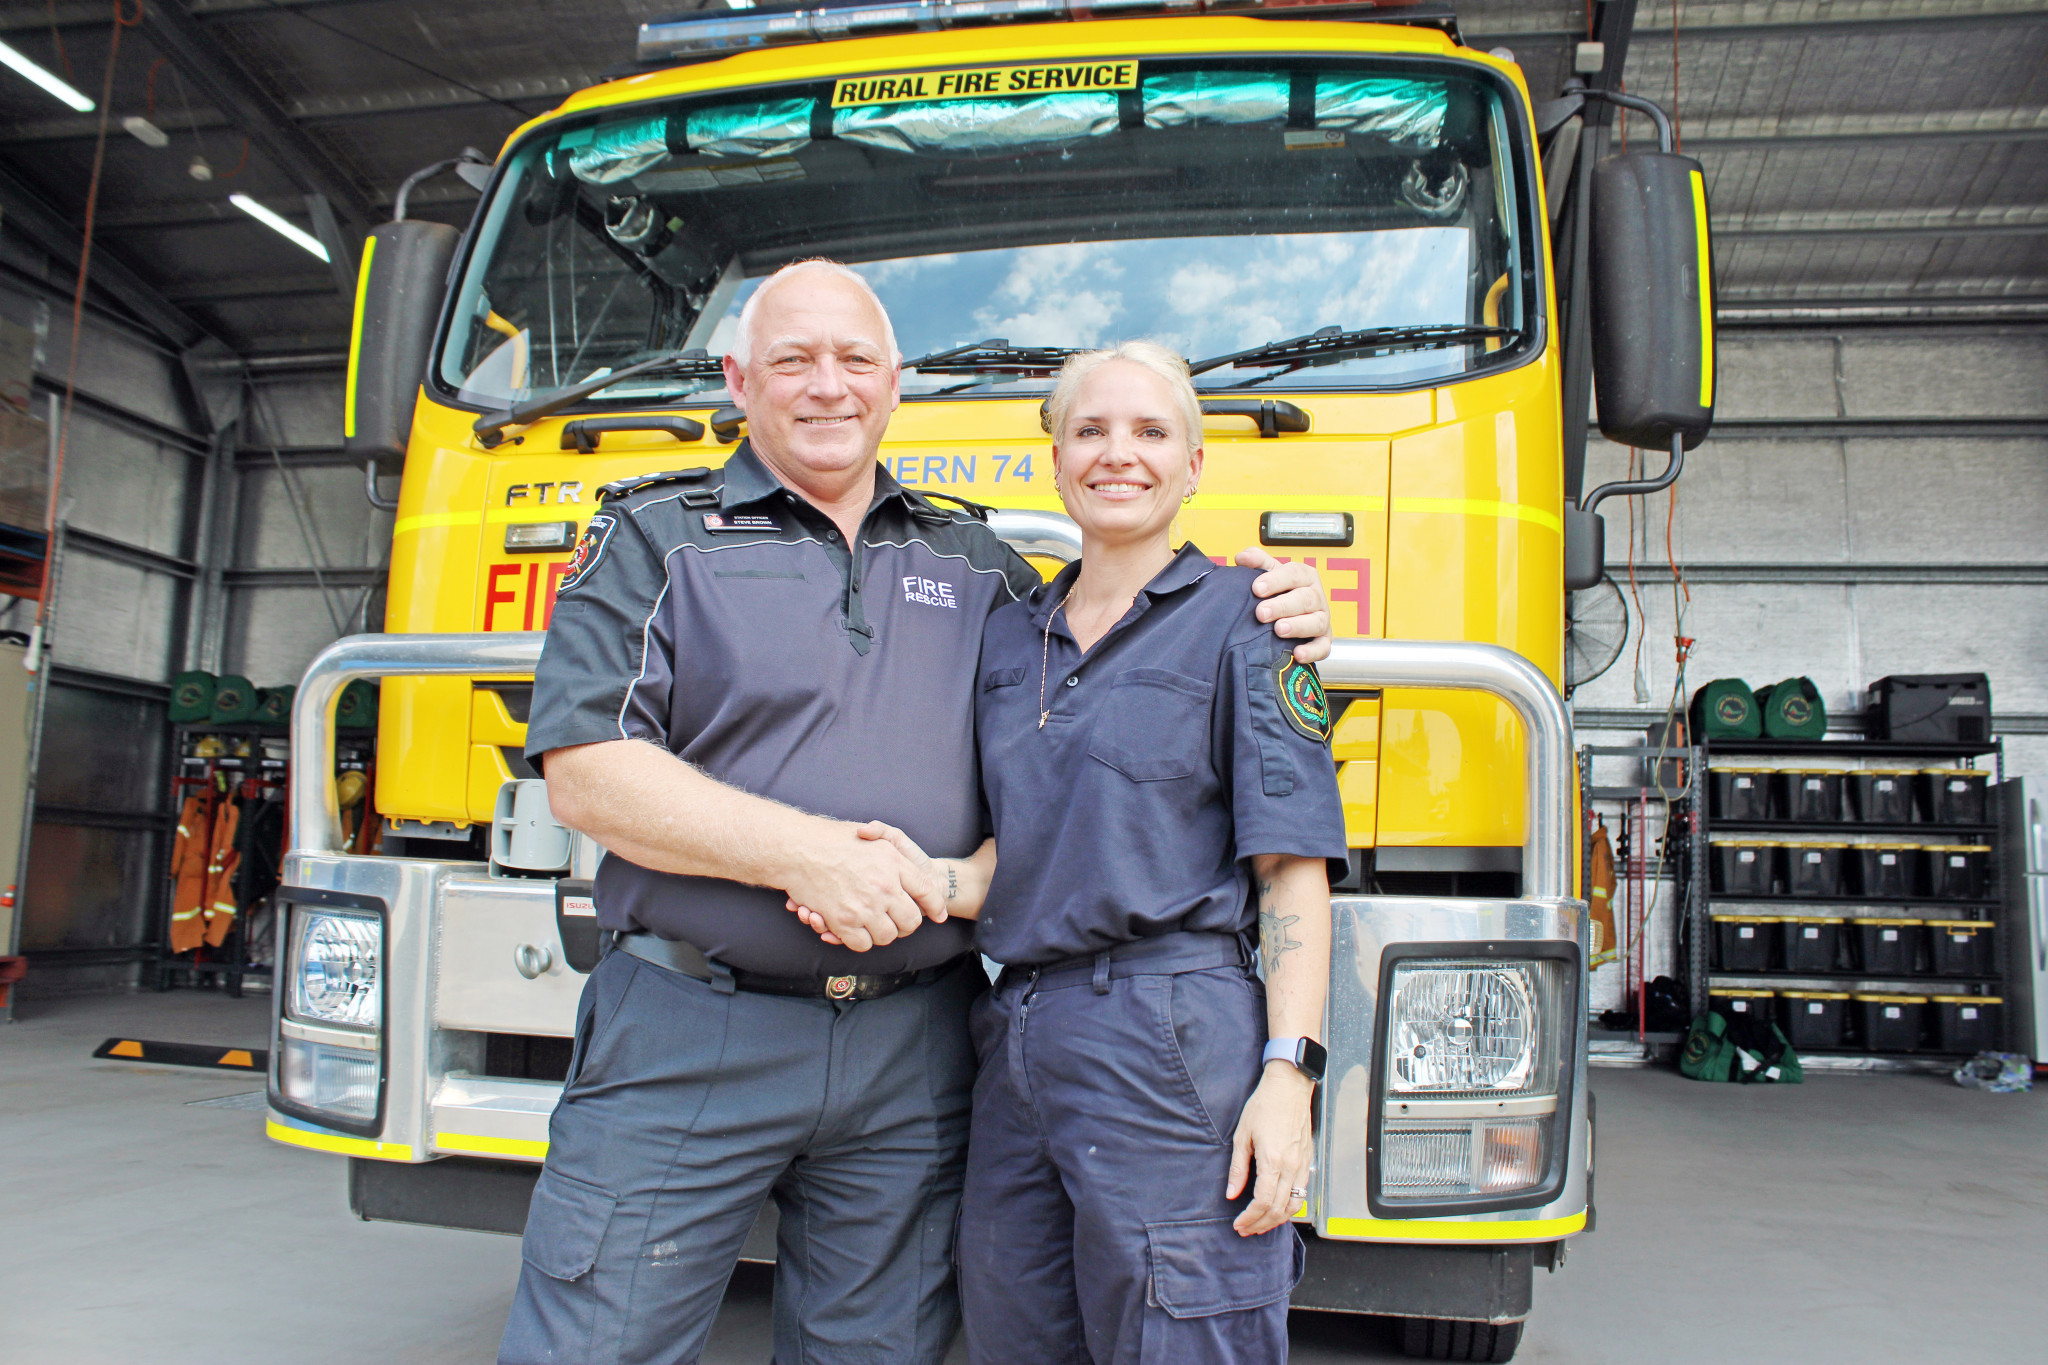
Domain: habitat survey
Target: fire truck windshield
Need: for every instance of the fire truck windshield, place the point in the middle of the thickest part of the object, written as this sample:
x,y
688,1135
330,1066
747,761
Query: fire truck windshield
x,y
1217,207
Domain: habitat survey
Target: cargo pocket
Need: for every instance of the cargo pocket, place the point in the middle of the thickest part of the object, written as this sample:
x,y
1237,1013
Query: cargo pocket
x,y
1155,725
1202,1268
566,1225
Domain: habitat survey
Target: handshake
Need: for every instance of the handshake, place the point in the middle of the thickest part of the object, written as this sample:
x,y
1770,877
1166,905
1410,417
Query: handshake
x,y
867,885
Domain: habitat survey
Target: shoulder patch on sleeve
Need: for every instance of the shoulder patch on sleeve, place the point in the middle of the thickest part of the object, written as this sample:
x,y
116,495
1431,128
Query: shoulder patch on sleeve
x,y
619,488
1301,698
596,535
923,507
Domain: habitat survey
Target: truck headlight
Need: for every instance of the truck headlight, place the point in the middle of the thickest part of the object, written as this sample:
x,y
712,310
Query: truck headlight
x,y
1473,1071
1464,1026
335,962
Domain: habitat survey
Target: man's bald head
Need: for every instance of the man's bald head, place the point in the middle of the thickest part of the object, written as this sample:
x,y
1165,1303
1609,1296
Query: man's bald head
x,y
798,273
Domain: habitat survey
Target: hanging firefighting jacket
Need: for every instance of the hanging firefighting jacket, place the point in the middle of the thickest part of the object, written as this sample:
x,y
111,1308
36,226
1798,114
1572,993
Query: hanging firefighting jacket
x,y
219,910
1600,894
188,868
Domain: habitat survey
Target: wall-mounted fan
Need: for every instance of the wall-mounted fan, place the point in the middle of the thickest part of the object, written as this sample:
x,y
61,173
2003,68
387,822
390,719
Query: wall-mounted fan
x,y
1595,632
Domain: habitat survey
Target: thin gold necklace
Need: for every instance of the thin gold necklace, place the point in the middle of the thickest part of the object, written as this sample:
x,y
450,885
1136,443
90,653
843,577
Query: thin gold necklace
x,y
1045,654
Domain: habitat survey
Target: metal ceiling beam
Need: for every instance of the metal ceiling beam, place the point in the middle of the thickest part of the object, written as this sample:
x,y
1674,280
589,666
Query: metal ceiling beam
x,y
2023,220
240,287
214,213
1834,130
27,212
1728,19
1841,428
336,108
1782,18
25,14
221,81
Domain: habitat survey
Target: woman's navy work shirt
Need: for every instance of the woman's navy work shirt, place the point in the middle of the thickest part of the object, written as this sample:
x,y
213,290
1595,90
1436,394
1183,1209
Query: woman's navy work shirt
x,y
1185,743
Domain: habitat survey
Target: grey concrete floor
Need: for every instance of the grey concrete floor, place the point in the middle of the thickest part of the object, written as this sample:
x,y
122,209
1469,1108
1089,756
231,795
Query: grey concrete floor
x,y
1852,1219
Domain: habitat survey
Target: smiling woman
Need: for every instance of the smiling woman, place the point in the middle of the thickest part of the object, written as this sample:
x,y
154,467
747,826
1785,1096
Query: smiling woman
x,y
1214,204
1141,781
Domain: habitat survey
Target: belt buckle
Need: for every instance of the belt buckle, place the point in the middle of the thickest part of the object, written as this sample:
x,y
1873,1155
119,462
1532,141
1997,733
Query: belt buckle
x,y
839,987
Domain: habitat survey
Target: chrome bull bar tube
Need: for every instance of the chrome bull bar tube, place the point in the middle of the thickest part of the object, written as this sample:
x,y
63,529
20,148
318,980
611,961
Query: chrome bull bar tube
x,y
1547,731
315,816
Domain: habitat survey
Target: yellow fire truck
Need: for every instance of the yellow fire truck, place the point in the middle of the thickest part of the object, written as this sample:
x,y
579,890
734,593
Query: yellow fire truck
x,y
1343,224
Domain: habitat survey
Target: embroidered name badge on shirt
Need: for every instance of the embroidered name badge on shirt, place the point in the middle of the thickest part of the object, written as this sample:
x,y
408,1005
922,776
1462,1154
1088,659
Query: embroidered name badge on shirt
x,y
1302,699
725,523
589,549
929,592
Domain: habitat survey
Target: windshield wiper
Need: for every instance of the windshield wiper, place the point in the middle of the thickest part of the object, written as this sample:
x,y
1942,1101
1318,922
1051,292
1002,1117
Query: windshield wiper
x,y
1331,345
692,363
995,356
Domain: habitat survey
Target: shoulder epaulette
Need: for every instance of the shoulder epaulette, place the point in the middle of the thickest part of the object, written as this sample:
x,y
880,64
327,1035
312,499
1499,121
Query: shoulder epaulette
x,y
619,488
921,508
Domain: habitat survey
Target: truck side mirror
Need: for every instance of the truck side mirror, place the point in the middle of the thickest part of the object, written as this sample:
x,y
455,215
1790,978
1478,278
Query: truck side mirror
x,y
398,298
1652,300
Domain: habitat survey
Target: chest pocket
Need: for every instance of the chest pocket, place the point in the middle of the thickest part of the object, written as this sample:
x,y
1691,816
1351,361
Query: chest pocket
x,y
1001,677
1155,725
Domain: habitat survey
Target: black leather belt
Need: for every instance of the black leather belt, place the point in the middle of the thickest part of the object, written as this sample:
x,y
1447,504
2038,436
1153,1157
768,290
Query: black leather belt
x,y
690,961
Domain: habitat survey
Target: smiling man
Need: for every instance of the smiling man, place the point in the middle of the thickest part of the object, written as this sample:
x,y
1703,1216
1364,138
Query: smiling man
x,y
743,665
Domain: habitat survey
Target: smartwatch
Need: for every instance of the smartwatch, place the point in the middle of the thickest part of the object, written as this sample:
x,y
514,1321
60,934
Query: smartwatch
x,y
1308,1056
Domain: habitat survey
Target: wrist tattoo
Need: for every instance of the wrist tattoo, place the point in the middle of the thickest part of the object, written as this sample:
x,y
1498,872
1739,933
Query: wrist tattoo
x,y
952,882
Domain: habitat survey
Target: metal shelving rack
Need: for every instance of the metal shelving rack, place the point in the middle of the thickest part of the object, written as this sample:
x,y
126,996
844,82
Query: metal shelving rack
x,y
1701,927
1686,817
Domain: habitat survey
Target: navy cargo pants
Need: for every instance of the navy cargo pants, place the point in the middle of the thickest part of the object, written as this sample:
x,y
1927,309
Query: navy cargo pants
x,y
1093,1228
689,1104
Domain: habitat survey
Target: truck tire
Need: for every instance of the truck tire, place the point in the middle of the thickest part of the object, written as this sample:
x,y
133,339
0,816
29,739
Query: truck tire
x,y
1453,1339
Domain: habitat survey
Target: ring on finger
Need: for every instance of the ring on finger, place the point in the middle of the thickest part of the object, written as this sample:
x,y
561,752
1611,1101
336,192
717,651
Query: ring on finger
x,y
1298,1192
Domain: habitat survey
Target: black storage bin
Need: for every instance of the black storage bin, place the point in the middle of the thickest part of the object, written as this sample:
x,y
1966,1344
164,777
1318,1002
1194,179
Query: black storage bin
x,y
1945,708
1955,872
1955,796
1814,869
1889,1023
1889,870
1887,947
1882,796
1811,796
1742,867
1961,948
1810,943
1966,1023
1740,793
1743,942
1814,1019
1737,1004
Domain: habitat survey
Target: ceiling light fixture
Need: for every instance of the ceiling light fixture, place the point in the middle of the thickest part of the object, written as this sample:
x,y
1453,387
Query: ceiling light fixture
x,y
54,84
145,132
281,226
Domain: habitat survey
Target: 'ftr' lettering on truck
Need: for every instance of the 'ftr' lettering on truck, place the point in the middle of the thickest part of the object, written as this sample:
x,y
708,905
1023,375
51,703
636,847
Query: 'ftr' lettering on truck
x,y
1342,225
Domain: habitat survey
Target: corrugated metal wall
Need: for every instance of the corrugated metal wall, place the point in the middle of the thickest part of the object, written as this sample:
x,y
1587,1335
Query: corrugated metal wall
x,y
210,521
1873,501
137,443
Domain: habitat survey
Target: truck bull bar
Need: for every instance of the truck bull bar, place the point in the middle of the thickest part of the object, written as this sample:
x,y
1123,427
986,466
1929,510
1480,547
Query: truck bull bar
x,y
1372,932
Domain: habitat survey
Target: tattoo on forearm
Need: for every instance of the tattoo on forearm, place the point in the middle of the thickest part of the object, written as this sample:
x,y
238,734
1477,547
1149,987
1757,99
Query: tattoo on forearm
x,y
1274,940
952,882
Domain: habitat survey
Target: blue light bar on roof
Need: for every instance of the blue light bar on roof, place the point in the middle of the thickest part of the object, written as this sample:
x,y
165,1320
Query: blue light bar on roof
x,y
720,33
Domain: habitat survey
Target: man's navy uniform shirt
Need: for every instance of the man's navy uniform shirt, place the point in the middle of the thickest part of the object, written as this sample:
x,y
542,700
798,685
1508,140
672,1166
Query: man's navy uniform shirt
x,y
1166,764
722,617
